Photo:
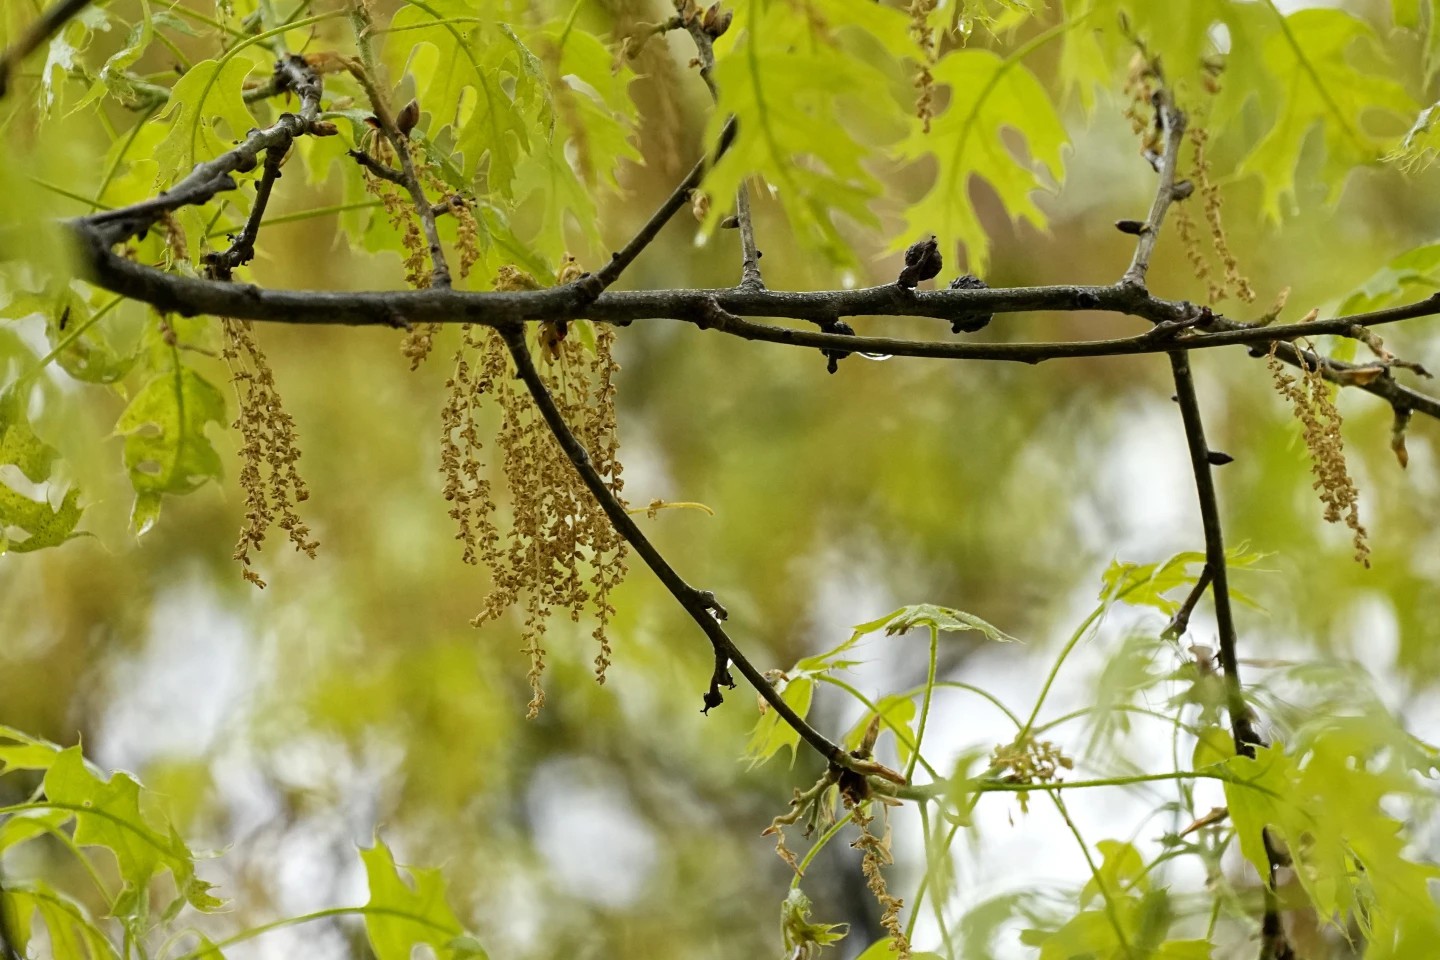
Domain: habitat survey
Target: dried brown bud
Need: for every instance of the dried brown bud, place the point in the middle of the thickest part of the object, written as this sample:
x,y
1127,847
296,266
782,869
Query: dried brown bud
x,y
1133,227
922,262
408,116
969,322
731,222
324,128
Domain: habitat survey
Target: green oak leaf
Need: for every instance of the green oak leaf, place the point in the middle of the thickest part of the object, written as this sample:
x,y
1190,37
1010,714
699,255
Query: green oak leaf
x,y
166,450
988,93
402,914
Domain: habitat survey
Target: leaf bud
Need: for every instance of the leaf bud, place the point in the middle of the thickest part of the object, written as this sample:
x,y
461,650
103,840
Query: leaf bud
x,y
407,118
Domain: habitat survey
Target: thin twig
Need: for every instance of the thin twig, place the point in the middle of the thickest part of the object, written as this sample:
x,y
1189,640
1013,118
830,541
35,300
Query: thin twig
x,y
700,604
750,278
1181,621
379,169
109,227
46,26
623,257
400,143
1242,724
1240,718
242,247
1172,132
1171,122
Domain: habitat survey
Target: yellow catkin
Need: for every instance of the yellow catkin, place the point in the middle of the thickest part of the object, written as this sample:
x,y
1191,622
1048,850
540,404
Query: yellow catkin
x,y
1314,406
268,453
1236,284
1031,761
875,855
558,551
924,34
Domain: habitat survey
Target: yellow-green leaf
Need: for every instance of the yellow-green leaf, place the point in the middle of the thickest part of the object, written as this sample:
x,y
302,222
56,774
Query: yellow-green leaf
x,y
988,94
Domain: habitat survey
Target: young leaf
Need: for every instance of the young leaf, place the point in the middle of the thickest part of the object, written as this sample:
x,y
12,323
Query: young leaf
x,y
166,450
208,93
41,524
464,83
24,752
402,915
799,934
1317,83
987,93
107,813
771,733
943,619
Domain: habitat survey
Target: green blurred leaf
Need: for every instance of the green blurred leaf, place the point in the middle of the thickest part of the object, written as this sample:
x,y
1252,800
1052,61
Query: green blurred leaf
x,y
41,524
401,914
1121,873
1410,276
988,94
108,814
771,733
788,81
166,450
1319,84
1349,853
798,932
208,94
72,933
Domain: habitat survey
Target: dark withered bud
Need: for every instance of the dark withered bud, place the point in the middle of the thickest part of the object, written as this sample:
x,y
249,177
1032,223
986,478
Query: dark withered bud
x,y
1132,227
1218,459
922,262
833,357
1182,190
731,222
408,116
969,322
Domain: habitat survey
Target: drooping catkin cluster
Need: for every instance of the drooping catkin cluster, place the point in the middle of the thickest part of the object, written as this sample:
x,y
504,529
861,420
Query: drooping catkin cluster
x,y
1235,284
1031,761
876,855
557,530
268,453
924,34
1314,407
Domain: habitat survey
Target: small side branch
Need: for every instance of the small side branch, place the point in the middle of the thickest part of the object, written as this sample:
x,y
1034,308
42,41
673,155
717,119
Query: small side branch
x,y
242,247
704,31
1274,946
623,257
398,135
110,227
1172,132
45,27
700,605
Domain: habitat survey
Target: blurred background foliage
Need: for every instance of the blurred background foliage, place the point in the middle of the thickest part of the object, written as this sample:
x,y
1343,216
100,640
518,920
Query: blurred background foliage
x,y
286,726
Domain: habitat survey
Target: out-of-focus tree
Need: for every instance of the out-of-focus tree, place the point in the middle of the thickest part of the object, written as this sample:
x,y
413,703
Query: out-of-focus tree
x,y
419,239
